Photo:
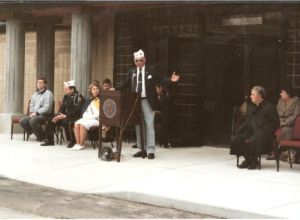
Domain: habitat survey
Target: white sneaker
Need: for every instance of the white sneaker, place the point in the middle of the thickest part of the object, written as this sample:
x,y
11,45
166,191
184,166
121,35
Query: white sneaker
x,y
76,146
80,147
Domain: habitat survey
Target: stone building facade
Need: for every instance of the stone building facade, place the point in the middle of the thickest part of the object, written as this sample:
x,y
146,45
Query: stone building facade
x,y
220,51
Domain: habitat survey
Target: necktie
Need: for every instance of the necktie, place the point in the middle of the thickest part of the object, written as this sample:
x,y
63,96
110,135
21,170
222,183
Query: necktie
x,y
139,83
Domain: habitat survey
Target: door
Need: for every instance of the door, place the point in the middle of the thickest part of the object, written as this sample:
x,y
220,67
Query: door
x,y
186,58
265,65
212,82
214,77
223,88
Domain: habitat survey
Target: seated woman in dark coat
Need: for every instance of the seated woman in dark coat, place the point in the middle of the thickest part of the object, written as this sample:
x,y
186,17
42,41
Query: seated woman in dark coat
x,y
256,134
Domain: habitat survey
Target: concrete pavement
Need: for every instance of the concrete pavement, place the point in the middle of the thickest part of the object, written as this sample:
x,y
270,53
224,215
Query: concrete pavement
x,y
25,200
197,179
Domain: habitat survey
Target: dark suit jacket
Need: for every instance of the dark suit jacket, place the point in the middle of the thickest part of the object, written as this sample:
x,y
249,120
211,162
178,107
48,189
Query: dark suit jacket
x,y
260,125
71,105
151,79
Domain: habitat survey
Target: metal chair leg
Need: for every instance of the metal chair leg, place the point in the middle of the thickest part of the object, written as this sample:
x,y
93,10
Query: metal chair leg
x,y
291,166
237,160
61,130
277,153
11,131
56,133
259,162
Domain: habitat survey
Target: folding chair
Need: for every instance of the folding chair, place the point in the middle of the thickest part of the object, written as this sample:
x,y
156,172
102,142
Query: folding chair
x,y
15,119
237,120
294,143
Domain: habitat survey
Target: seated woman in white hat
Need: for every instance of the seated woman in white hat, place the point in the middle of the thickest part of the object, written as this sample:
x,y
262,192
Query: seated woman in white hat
x,y
90,118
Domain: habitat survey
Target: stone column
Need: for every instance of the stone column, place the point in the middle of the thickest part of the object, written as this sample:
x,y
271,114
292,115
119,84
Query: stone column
x,y
15,54
81,51
14,84
45,52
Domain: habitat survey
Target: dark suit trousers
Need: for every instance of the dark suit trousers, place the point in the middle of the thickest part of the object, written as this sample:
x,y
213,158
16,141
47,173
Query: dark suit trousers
x,y
66,123
33,125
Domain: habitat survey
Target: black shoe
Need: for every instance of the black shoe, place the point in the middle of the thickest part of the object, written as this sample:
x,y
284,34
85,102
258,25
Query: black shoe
x,y
134,146
151,156
48,143
142,154
28,135
40,139
244,164
70,145
253,165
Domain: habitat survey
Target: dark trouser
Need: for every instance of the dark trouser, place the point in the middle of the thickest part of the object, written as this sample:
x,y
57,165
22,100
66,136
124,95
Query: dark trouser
x,y
33,125
165,130
239,146
249,147
66,123
162,132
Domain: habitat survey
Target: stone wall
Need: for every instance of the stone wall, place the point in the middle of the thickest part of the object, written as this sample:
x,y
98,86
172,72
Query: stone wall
x,y
103,47
29,71
62,62
102,59
2,70
30,67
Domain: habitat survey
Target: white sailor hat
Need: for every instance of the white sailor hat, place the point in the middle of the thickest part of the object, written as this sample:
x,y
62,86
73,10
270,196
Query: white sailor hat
x,y
139,54
69,83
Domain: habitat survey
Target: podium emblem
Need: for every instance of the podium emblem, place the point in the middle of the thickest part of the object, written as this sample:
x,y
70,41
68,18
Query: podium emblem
x,y
109,108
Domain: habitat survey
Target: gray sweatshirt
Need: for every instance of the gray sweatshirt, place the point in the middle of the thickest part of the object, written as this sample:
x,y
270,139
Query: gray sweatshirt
x,y
42,102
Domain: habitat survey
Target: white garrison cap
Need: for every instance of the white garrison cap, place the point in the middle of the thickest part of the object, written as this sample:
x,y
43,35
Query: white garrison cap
x,y
139,54
69,83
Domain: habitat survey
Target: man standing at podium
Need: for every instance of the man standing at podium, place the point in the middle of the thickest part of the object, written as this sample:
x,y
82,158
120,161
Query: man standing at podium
x,y
142,79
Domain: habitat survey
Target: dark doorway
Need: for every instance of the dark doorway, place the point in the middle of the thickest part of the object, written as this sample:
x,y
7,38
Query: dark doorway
x,y
186,58
223,88
265,65
212,83
215,76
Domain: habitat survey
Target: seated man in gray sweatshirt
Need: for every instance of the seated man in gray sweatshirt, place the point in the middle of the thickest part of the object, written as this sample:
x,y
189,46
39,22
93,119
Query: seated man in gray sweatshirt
x,y
40,109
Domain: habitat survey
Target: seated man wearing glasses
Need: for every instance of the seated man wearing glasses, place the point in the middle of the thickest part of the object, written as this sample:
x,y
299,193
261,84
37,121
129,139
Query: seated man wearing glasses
x,y
40,109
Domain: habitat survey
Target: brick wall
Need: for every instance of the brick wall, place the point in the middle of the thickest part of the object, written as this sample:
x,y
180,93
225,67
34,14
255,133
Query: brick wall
x,y
293,51
103,47
61,71
30,67
102,59
62,62
29,71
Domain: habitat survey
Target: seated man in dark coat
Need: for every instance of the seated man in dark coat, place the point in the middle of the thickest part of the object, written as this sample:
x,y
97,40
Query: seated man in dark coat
x,y
256,133
68,113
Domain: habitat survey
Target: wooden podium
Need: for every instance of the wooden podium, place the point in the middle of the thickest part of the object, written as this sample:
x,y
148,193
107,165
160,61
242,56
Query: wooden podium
x,y
119,109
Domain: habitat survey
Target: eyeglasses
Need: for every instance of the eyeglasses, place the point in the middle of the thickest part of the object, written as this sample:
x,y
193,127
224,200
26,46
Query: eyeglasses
x,y
139,61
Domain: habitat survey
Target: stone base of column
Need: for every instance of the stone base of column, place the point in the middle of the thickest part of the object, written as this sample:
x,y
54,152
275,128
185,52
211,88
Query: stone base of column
x,y
5,123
